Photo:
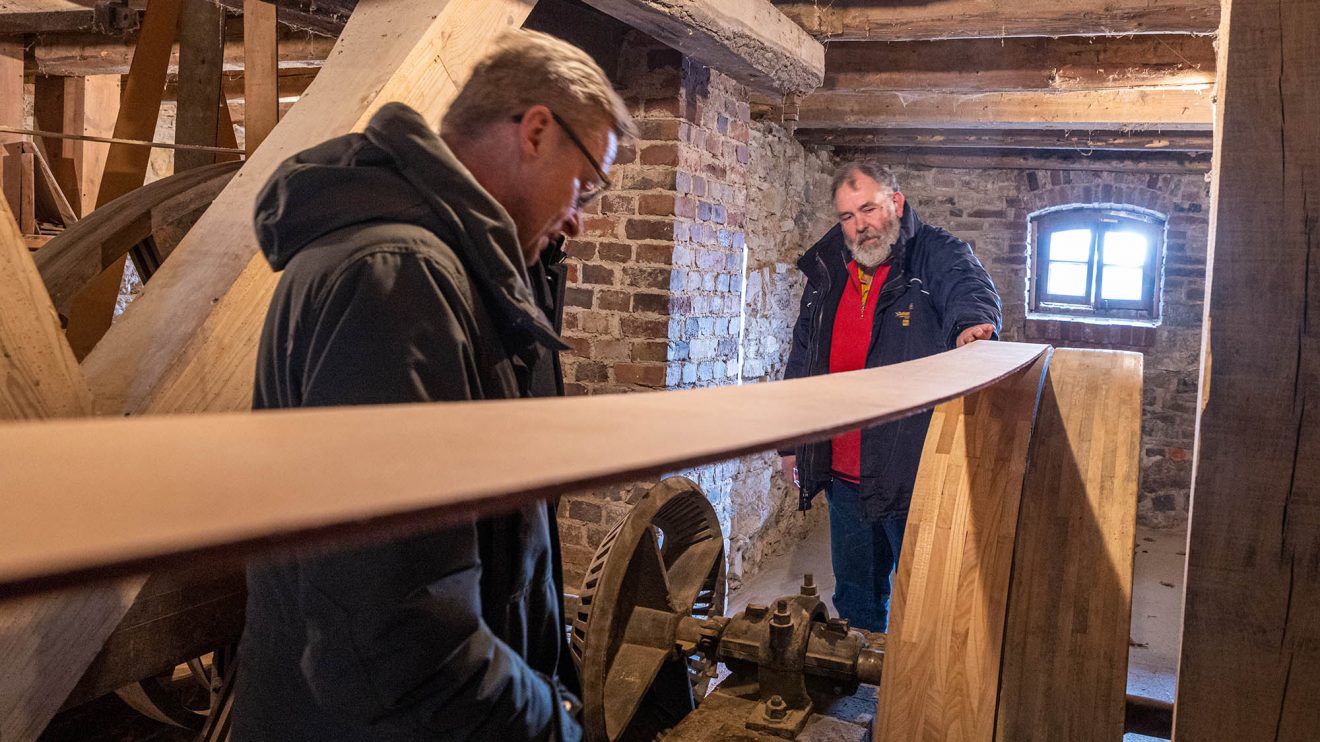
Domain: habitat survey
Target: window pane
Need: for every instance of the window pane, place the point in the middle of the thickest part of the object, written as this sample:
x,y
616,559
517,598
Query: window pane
x,y
1125,248
1071,244
1122,284
1067,279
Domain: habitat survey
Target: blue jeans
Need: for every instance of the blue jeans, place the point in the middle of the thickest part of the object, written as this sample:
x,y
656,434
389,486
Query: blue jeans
x,y
864,553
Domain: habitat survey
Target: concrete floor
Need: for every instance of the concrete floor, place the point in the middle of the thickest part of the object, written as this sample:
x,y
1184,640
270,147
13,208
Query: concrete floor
x,y
1156,601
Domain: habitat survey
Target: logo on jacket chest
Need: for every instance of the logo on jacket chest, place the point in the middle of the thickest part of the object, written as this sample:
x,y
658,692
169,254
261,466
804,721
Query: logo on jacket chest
x,y
905,316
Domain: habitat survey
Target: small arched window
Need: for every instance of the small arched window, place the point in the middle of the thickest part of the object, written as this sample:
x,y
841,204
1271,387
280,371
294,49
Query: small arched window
x,y
1099,261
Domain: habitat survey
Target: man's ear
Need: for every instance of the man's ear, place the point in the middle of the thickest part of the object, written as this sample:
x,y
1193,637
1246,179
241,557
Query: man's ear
x,y
534,131
898,202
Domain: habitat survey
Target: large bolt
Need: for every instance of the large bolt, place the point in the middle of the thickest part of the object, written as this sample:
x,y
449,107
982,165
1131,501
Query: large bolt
x,y
782,617
756,611
809,585
775,708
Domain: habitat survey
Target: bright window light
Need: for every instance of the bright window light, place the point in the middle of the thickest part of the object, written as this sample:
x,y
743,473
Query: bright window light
x,y
1067,279
1127,249
1121,284
1072,245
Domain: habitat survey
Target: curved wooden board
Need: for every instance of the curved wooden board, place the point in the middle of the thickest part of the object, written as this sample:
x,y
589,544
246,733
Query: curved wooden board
x,y
947,613
1069,607
79,253
160,489
188,344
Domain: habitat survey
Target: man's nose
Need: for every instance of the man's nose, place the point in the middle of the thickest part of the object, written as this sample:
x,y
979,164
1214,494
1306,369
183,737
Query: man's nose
x,y
572,225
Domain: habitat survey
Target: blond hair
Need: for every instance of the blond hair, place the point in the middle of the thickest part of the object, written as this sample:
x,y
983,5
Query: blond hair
x,y
528,68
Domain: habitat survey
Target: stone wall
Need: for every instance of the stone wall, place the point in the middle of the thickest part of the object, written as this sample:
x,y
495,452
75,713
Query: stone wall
x,y
990,209
683,278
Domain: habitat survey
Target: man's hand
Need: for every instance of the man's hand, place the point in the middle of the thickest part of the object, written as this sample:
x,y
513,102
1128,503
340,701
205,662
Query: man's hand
x,y
974,333
790,470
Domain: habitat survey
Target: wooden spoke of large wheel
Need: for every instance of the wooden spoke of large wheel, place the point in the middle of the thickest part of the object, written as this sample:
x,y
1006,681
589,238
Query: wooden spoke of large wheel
x,y
663,562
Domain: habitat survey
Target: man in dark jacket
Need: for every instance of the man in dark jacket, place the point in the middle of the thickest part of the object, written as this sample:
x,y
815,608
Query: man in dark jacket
x,y
882,288
413,271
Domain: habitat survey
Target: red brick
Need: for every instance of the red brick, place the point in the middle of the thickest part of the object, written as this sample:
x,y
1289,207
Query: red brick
x,y
654,303
575,297
647,278
591,372
644,327
642,374
649,229
578,346
613,301
660,254
656,204
685,207
650,350
615,252
599,275
613,203
600,226
665,130
660,154
580,250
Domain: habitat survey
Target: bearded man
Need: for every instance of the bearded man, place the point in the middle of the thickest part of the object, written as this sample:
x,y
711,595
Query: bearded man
x,y
882,288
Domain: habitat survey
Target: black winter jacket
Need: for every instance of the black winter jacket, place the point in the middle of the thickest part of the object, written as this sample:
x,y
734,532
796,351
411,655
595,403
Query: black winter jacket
x,y
402,282
936,288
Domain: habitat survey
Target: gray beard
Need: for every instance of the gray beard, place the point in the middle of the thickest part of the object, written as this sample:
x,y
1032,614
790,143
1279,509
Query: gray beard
x,y
872,249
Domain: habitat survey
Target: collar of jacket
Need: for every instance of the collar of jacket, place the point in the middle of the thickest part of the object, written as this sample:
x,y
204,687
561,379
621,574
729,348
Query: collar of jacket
x,y
834,252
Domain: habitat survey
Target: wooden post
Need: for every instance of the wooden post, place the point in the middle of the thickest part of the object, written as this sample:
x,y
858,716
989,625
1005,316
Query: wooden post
x,y
126,165
11,114
1250,664
84,106
201,52
260,73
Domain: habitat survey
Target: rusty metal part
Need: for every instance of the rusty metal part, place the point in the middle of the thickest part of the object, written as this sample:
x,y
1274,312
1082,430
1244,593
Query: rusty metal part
x,y
661,566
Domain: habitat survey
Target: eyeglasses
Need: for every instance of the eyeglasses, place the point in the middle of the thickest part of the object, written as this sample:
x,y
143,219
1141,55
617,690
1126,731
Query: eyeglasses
x,y
589,191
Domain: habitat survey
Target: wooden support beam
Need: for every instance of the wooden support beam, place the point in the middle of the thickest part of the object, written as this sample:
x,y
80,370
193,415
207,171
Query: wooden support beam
x,y
991,65
201,45
83,106
125,165
261,84
1064,674
973,159
1250,664
1068,140
37,16
947,614
80,55
1173,110
151,485
189,344
749,40
967,19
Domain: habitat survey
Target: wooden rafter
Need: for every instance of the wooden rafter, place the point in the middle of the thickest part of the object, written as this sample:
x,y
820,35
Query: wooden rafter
x,y
1014,139
749,40
962,19
76,55
1166,110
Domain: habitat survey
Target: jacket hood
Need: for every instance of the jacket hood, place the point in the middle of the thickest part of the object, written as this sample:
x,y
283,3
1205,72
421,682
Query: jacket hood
x,y
833,242
399,170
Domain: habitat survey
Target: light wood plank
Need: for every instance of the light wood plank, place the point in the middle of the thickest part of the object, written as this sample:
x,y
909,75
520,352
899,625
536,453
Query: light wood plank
x,y
162,488
260,73
1069,606
749,40
189,342
993,65
1250,664
964,19
1176,110
947,612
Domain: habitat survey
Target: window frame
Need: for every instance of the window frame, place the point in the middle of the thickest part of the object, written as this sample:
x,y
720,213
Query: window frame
x,y
1100,220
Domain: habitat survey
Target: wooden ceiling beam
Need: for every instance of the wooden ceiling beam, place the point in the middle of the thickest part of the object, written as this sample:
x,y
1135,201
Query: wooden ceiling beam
x,y
989,65
78,55
748,40
1171,110
968,19
1012,139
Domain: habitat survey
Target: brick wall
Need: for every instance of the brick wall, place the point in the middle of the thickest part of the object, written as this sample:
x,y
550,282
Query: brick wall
x,y
656,295
990,209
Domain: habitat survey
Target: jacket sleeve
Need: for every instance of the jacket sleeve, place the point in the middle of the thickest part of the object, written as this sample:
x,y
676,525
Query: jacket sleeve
x,y
395,635
960,286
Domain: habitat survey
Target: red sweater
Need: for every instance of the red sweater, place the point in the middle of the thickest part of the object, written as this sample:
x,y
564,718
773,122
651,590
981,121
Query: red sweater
x,y
848,346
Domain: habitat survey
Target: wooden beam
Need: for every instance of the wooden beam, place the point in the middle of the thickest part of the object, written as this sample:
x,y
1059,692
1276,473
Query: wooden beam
x,y
80,55
83,106
37,16
189,344
966,19
148,488
749,40
201,45
976,159
1174,110
947,614
990,65
1250,662
261,84
1064,675
1058,139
